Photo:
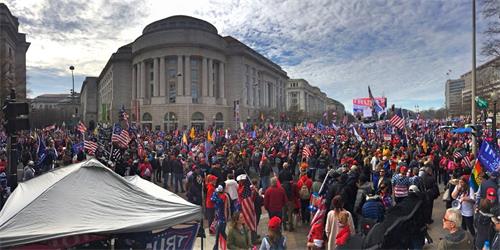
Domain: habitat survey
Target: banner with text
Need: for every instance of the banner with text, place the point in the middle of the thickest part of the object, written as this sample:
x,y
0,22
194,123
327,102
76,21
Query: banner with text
x,y
175,238
489,157
363,106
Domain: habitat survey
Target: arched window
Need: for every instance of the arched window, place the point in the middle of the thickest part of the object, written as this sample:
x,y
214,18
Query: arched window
x,y
219,120
147,121
198,120
170,121
146,117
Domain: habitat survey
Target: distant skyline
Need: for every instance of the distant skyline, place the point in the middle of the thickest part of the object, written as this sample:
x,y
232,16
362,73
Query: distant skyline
x,y
402,49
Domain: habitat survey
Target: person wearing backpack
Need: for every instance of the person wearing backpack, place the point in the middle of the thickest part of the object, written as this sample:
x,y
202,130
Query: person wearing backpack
x,y
304,185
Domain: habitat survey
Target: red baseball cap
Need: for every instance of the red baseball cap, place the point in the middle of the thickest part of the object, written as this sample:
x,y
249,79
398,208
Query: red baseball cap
x,y
274,223
491,194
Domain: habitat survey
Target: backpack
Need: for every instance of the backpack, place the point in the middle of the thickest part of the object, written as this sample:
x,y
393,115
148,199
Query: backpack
x,y
304,192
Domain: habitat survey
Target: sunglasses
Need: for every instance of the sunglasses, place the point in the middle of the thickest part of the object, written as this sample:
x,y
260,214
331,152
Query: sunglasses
x,y
446,220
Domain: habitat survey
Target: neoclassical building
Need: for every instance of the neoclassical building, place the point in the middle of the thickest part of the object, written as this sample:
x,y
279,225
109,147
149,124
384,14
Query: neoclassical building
x,y
181,72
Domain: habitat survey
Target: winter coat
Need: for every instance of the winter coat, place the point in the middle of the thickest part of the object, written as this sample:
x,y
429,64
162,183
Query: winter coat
x,y
459,240
484,229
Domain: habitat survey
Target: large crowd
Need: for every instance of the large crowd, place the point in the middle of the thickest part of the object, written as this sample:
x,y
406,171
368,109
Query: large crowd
x,y
350,184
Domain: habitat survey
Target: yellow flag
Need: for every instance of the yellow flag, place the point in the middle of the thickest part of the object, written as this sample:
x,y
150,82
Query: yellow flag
x,y
209,136
424,146
184,138
191,134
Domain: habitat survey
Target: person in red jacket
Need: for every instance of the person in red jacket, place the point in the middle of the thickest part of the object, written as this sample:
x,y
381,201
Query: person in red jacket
x,y
209,204
146,170
304,185
275,199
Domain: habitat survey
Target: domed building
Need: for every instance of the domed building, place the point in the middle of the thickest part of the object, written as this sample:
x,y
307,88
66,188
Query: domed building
x,y
181,72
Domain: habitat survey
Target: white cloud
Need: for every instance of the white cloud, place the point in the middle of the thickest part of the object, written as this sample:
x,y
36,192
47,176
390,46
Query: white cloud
x,y
400,48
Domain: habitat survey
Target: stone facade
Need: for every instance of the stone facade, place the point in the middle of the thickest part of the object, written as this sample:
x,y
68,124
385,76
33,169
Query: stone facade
x,y
302,96
13,47
88,99
49,109
453,96
181,72
487,81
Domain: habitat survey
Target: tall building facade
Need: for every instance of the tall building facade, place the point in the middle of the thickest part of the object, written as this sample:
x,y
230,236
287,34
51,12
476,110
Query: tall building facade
x,y
487,82
301,96
181,72
13,48
88,100
453,97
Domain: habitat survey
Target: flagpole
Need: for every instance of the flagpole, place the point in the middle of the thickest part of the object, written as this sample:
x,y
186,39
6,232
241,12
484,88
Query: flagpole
x,y
111,152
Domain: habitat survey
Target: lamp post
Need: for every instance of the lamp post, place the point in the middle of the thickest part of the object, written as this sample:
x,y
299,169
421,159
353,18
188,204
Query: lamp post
x,y
473,74
73,91
494,120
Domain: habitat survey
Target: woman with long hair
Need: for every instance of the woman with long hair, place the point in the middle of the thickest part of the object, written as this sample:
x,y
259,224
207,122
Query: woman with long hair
x,y
332,222
238,235
463,195
274,240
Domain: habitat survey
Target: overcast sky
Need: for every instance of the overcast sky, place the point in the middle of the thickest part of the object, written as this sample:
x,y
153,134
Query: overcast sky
x,y
402,49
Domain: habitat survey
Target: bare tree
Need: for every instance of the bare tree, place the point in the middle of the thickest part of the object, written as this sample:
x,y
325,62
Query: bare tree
x,y
490,10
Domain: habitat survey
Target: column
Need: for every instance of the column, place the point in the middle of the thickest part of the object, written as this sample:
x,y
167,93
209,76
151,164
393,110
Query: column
x,y
221,80
180,79
211,78
163,82
156,79
204,77
187,73
134,82
143,80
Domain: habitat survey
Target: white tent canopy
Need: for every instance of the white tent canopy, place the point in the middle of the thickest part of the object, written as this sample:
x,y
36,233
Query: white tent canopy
x,y
88,198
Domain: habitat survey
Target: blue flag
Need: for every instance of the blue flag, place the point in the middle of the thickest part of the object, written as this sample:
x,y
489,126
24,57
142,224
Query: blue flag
x,y
41,152
489,157
77,148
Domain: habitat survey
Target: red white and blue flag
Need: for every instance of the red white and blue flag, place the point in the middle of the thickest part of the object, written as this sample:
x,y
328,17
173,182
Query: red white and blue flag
x,y
247,206
120,136
397,120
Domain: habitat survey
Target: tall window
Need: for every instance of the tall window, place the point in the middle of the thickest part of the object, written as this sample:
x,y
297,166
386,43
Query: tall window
x,y
195,79
215,77
171,79
247,90
151,79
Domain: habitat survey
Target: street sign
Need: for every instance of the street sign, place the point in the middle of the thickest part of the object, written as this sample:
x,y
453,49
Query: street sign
x,y
481,103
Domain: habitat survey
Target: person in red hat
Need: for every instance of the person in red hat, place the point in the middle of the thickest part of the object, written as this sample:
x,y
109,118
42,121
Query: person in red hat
x,y
274,238
209,204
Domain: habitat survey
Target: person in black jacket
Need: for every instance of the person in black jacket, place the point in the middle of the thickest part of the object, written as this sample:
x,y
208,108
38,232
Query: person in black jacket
x,y
167,171
178,171
430,186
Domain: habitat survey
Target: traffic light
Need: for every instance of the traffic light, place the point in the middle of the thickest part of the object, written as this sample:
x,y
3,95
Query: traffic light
x,y
16,116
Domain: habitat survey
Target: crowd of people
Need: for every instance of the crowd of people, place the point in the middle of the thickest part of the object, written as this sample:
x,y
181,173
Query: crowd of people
x,y
339,181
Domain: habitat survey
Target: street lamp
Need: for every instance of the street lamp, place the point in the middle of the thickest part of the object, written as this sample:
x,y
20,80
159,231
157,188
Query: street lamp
x,y
494,98
73,90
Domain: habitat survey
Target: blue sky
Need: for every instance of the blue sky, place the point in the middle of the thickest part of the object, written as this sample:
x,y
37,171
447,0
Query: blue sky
x,y
402,49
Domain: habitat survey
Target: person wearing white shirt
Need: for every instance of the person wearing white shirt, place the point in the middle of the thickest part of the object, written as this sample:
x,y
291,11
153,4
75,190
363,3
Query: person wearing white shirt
x,y
232,190
464,195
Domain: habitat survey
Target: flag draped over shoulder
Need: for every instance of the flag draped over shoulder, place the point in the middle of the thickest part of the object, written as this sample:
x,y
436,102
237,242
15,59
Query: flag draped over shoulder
x,y
474,180
247,206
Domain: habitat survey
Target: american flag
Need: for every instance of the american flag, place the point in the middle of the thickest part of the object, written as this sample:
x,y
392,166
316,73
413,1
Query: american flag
x,y
397,121
466,162
319,216
90,147
306,152
116,154
123,115
120,136
247,206
81,127
457,155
